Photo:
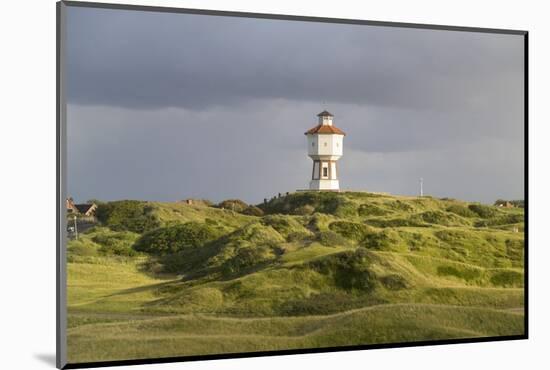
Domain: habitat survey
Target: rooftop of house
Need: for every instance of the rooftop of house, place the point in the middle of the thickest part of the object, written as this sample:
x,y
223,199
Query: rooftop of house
x,y
83,208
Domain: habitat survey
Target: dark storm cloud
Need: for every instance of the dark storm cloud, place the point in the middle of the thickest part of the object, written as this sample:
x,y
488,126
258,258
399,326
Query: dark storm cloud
x,y
153,60
165,106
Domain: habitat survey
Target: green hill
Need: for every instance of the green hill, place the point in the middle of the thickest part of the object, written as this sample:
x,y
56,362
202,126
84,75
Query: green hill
x,y
304,270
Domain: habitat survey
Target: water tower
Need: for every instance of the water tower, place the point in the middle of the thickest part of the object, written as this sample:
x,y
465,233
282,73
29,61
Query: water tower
x,y
325,144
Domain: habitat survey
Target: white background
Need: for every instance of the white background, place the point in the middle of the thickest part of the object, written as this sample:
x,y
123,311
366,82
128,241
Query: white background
x,y
27,182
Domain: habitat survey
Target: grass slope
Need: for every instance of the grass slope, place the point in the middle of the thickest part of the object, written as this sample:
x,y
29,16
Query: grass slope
x,y
315,270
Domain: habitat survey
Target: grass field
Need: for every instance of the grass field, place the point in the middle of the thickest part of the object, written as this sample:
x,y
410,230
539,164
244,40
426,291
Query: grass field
x,y
312,270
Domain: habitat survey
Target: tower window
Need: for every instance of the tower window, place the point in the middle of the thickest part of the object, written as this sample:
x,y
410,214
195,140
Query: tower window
x,y
325,172
325,144
313,143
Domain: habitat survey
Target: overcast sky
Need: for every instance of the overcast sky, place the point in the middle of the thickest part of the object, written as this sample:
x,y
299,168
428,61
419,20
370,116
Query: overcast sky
x,y
170,106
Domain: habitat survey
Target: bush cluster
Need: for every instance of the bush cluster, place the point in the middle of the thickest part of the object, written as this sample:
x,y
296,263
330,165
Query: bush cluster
x,y
351,230
253,211
349,270
236,205
172,239
413,221
130,215
482,210
323,202
461,211
394,282
246,259
440,218
116,243
330,238
371,210
383,240
501,220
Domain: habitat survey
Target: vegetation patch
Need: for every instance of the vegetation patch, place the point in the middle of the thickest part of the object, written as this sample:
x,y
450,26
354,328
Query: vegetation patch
x,y
512,218
399,205
350,230
236,205
483,211
371,210
349,270
507,278
441,218
323,202
515,250
253,211
461,211
173,239
130,215
285,225
247,259
325,303
394,282
383,240
412,221
330,238
464,273
114,243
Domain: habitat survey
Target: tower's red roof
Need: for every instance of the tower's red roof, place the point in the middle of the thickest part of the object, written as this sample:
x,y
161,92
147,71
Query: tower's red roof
x,y
324,129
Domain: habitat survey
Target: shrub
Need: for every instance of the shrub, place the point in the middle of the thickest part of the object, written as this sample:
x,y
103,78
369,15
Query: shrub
x,y
116,243
371,210
82,247
482,210
349,270
507,279
253,211
346,209
515,249
236,205
256,233
413,221
501,220
172,239
383,240
330,238
324,202
461,211
399,205
441,218
287,226
298,236
468,274
283,224
319,222
351,230
128,215
304,210
246,259
451,236
394,282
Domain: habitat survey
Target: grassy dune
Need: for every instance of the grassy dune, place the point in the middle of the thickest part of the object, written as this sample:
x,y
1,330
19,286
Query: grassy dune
x,y
315,270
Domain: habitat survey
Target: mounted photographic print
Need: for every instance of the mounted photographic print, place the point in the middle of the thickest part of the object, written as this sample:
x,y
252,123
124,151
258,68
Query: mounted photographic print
x,y
235,184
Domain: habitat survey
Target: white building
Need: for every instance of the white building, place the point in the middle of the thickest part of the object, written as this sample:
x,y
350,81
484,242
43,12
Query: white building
x,y
325,147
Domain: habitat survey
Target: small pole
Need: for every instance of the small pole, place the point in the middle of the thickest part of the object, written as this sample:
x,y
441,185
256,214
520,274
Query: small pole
x,y
421,187
75,228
